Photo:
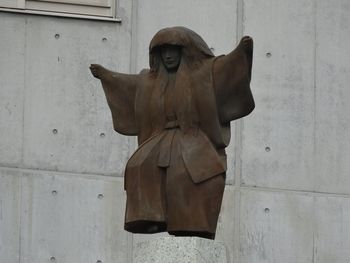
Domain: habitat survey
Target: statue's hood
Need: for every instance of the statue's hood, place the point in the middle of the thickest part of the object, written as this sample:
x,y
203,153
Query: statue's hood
x,y
180,36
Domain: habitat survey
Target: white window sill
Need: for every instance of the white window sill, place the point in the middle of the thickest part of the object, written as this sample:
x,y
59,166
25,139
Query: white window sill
x,y
57,14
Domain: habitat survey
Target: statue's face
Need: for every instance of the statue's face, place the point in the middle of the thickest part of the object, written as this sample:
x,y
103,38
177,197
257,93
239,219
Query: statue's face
x,y
171,56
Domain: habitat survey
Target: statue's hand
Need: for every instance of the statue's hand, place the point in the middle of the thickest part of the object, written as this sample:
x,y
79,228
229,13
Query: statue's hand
x,y
97,70
247,43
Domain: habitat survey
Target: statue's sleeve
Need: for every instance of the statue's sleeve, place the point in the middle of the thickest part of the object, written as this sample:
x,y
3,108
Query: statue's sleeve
x,y
231,77
120,90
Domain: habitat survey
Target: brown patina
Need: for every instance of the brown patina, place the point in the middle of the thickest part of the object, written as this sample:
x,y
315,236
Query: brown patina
x,y
180,109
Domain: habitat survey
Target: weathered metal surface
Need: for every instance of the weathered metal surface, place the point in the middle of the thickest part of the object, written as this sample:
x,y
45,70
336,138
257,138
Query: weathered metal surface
x,y
180,109
215,23
225,228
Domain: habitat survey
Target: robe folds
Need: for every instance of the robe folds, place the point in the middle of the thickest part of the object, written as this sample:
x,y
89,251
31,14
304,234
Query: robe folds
x,y
187,149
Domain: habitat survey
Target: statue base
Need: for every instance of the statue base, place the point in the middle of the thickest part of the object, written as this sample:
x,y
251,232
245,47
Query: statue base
x,y
180,250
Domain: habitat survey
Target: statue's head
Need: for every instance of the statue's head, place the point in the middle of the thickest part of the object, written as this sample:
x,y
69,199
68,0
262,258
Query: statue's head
x,y
171,56
177,45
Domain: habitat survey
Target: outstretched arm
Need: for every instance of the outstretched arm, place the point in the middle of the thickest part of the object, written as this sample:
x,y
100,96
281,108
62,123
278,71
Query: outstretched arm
x,y
120,91
232,74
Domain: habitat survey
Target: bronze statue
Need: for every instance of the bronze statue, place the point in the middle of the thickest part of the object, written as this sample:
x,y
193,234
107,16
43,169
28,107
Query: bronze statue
x,y
180,109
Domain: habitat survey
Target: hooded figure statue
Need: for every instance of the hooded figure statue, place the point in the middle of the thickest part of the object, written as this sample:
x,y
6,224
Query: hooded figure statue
x,y
180,109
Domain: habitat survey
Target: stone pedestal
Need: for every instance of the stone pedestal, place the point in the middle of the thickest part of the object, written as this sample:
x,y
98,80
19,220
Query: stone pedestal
x,y
180,250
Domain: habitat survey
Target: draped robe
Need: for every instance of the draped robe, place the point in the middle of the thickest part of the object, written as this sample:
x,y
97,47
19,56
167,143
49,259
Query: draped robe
x,y
209,92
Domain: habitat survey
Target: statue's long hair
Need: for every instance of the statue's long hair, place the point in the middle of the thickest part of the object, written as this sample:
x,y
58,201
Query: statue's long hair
x,y
194,51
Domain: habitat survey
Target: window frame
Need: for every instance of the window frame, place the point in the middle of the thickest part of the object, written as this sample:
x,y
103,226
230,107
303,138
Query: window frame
x,y
62,8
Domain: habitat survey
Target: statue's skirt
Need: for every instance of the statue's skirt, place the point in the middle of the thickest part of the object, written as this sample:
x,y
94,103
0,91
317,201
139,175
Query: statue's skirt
x,y
161,196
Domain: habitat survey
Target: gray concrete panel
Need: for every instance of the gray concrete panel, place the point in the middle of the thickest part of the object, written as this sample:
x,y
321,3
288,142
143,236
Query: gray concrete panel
x,y
332,97
68,126
276,227
226,222
332,235
9,216
67,218
231,156
278,135
12,48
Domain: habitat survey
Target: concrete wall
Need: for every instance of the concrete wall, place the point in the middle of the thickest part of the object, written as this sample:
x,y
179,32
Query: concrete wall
x,y
61,164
